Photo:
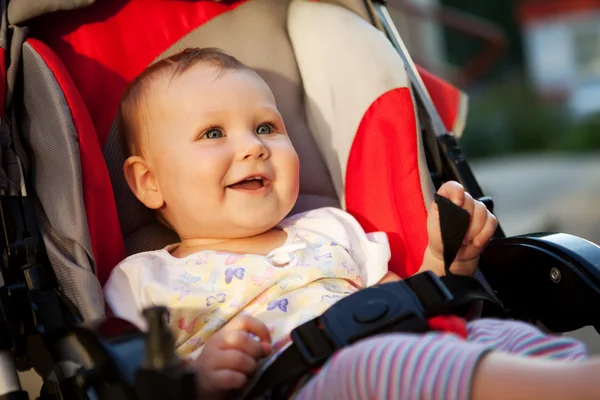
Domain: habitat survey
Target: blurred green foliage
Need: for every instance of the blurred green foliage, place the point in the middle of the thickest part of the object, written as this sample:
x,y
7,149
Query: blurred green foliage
x,y
505,115
508,117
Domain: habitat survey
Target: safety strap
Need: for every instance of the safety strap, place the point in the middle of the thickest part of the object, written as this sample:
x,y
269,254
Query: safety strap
x,y
404,306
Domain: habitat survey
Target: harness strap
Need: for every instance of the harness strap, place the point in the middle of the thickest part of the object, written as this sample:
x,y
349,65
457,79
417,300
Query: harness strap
x,y
418,304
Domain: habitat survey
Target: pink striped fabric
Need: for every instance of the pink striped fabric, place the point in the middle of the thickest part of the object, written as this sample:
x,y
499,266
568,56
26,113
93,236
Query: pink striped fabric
x,y
433,366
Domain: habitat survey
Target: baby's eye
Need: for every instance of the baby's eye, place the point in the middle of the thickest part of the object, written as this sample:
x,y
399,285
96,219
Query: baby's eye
x,y
264,129
213,134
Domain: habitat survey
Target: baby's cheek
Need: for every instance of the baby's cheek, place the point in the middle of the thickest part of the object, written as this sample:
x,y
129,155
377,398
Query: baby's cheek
x,y
292,171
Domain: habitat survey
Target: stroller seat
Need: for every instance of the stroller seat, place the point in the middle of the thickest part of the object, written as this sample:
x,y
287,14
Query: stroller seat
x,y
76,69
345,93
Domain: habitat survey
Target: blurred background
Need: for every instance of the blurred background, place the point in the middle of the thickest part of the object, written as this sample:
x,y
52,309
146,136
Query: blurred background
x,y
531,69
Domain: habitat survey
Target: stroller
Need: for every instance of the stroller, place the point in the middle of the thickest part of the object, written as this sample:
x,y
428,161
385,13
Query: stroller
x,y
68,216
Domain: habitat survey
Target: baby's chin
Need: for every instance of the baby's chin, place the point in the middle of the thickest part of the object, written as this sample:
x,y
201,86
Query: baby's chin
x,y
259,217
256,224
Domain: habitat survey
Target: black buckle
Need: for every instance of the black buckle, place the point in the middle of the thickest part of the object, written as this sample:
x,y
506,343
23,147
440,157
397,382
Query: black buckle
x,y
431,291
391,307
402,306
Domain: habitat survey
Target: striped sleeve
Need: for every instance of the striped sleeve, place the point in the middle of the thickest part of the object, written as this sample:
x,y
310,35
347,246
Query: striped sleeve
x,y
433,366
401,366
520,338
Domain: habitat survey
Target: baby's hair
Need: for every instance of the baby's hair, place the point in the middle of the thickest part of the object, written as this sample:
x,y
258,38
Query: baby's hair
x,y
128,112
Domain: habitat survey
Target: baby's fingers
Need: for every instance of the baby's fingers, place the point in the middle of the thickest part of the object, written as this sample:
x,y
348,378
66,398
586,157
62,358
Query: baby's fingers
x,y
241,341
487,232
225,380
251,325
235,360
454,192
266,348
479,217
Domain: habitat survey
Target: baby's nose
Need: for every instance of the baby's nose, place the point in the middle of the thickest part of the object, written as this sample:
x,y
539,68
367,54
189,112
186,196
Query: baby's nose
x,y
254,148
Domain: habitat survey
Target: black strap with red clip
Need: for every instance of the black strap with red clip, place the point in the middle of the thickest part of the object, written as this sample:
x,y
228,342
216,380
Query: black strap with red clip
x,y
404,306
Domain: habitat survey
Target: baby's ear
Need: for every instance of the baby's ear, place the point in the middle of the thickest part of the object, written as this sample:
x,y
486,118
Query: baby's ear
x,y
142,182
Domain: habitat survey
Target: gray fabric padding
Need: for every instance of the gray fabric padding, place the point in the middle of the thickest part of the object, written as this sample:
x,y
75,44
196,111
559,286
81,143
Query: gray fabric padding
x,y
20,11
47,127
256,33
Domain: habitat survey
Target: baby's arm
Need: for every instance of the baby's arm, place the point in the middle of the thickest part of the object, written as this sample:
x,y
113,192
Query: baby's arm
x,y
441,366
542,369
390,277
506,376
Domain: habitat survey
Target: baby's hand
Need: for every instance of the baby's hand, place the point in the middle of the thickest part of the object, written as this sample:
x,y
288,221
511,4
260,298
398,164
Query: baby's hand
x,y
481,229
231,355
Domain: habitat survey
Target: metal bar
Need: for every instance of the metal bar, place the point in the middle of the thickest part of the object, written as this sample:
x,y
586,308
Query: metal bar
x,y
414,76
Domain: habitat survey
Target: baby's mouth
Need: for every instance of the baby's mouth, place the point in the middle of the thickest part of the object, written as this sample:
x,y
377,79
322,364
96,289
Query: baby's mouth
x,y
251,183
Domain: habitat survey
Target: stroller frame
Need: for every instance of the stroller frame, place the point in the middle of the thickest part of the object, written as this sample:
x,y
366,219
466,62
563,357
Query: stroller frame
x,y
41,329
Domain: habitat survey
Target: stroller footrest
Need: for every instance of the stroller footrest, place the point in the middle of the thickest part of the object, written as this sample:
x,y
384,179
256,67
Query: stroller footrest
x,y
546,277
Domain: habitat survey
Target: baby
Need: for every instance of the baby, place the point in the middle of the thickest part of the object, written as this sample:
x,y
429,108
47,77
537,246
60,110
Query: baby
x,y
209,152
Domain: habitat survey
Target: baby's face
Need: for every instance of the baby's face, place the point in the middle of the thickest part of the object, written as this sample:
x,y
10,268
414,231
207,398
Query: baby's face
x,y
220,153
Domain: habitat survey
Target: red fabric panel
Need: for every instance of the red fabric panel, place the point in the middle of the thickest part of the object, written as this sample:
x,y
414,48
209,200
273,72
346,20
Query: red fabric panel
x,y
106,45
103,223
449,323
2,80
445,97
383,187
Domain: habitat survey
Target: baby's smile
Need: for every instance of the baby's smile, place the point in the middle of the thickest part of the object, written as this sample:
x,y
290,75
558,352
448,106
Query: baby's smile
x,y
255,184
